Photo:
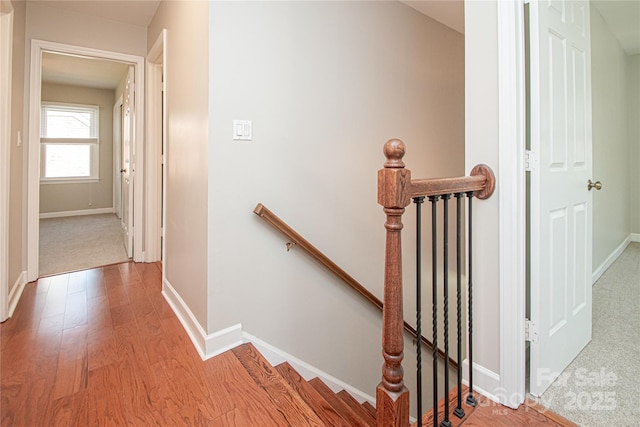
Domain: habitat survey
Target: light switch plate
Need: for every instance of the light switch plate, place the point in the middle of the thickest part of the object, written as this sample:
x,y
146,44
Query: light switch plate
x,y
242,130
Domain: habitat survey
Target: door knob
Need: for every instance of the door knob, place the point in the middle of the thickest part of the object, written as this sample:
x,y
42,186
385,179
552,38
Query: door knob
x,y
597,185
124,170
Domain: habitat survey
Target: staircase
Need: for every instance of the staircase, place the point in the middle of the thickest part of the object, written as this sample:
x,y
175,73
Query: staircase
x,y
298,401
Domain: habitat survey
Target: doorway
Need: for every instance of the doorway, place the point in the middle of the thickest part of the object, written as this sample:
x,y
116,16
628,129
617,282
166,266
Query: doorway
x,y
39,48
156,147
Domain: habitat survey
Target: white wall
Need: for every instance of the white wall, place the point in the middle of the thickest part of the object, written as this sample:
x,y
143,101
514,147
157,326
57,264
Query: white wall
x,y
83,196
481,128
325,84
611,148
633,129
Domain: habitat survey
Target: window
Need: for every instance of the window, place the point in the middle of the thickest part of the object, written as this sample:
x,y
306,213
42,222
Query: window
x,y
69,142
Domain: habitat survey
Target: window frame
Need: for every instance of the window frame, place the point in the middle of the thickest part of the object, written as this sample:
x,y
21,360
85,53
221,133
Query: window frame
x,y
93,143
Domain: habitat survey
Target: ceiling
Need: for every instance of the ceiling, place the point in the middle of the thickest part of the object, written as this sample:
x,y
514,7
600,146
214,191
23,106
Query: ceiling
x,y
447,12
80,71
622,18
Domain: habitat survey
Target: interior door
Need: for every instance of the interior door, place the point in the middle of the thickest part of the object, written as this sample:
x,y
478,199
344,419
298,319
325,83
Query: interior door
x,y
127,165
561,207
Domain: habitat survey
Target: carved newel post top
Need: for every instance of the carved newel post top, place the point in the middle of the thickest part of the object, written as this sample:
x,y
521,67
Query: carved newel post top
x,y
394,150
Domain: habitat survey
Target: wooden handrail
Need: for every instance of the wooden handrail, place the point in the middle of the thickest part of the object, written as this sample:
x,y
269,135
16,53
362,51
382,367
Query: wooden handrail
x,y
316,254
304,244
395,191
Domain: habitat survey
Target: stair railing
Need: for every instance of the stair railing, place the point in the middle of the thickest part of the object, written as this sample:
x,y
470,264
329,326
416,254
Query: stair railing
x,y
396,190
295,239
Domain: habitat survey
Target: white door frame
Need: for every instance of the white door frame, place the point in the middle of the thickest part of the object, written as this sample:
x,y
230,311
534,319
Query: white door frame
x,y
6,40
33,166
512,193
156,138
117,160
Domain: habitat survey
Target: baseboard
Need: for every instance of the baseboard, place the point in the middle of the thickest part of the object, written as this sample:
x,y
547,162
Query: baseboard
x,y
76,213
635,237
207,345
275,356
16,292
485,381
611,259
210,345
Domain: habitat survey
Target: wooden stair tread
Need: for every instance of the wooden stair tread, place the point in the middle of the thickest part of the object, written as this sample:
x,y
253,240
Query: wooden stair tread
x,y
342,408
356,407
369,408
288,402
311,396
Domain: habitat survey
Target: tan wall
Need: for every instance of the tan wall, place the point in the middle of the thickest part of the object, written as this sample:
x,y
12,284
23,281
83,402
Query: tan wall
x,y
325,84
17,215
633,112
63,26
186,167
611,148
83,196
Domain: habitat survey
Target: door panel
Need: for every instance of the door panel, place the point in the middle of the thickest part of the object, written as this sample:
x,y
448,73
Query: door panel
x,y
560,203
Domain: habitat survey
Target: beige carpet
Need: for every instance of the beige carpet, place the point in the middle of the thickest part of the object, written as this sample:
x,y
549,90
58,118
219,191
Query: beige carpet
x,y
80,242
601,386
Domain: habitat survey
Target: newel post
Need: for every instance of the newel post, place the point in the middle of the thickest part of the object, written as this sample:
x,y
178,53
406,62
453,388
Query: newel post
x,y
392,397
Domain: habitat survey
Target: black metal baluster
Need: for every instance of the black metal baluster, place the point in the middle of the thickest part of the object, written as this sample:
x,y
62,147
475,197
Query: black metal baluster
x,y
418,201
471,400
434,302
459,411
445,310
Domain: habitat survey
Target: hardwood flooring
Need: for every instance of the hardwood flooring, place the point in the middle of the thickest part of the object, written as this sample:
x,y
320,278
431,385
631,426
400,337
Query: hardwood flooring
x,y
488,413
102,347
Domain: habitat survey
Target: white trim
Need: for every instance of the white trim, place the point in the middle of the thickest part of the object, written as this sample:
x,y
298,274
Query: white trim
x,y
211,345
635,237
6,37
62,214
512,193
16,292
275,356
33,163
485,382
610,259
156,140
207,345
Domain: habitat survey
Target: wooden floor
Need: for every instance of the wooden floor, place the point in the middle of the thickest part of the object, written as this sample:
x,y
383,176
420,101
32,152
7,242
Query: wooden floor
x,y
489,413
102,347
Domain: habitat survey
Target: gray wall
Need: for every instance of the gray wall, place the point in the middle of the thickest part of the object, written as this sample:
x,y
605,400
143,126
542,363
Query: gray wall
x,y
612,147
83,196
325,84
633,121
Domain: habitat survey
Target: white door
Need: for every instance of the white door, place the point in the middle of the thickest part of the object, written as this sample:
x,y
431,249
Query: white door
x,y
127,164
561,206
